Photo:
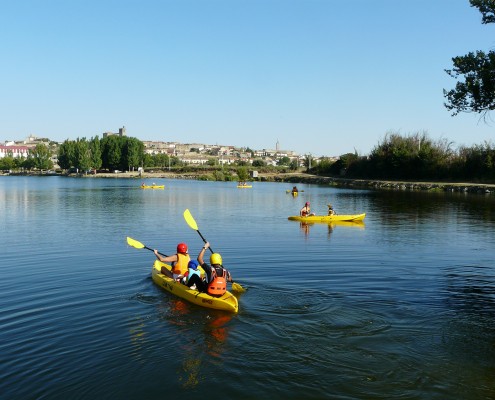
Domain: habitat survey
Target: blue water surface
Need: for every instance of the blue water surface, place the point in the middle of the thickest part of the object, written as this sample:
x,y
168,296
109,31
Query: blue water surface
x,y
401,306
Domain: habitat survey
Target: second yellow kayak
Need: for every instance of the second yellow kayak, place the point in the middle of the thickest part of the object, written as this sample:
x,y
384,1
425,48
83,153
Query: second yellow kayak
x,y
329,218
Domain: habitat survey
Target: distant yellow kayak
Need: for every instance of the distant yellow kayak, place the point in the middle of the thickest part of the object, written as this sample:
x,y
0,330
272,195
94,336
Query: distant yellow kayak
x,y
152,186
329,218
244,186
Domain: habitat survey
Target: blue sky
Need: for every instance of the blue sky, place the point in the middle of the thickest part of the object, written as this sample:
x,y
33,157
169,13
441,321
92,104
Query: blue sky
x,y
325,77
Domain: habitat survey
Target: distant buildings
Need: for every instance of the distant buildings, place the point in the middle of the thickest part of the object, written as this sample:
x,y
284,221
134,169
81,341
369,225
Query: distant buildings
x,y
14,151
121,133
189,153
200,153
21,148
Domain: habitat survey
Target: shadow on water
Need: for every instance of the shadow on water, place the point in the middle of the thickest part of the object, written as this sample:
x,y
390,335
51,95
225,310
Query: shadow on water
x,y
440,207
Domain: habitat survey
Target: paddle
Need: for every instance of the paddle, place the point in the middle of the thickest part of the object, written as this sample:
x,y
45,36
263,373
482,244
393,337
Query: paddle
x,y
138,245
236,287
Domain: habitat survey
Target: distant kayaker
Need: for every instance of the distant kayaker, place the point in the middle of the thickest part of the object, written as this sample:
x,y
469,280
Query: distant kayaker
x,y
306,210
216,278
178,261
331,211
295,190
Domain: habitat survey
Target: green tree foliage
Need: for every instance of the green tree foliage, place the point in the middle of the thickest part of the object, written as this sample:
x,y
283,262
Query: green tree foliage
x,y
7,163
242,174
111,152
259,163
477,162
95,149
66,153
283,161
132,152
325,164
294,165
241,163
160,160
40,157
219,175
476,93
82,155
414,156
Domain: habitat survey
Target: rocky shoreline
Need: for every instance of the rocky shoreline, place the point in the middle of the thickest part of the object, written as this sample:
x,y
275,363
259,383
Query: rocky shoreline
x,y
393,185
295,178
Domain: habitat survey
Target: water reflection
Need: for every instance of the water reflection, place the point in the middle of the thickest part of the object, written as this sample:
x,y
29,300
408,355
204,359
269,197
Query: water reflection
x,y
202,335
306,226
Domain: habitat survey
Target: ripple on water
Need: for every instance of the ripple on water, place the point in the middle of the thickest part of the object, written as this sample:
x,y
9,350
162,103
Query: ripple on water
x,y
308,332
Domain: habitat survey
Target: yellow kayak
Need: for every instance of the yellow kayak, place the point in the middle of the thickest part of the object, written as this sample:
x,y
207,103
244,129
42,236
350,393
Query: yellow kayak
x,y
152,186
329,218
227,302
244,186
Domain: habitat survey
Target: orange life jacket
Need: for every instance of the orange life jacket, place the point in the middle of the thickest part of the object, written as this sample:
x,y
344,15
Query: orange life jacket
x,y
180,266
218,283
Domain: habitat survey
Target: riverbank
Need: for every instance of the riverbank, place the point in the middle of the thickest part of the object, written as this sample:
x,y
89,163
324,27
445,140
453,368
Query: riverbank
x,y
298,177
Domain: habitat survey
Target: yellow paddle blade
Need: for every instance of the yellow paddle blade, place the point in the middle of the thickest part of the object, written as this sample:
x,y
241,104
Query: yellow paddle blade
x,y
190,220
134,243
236,287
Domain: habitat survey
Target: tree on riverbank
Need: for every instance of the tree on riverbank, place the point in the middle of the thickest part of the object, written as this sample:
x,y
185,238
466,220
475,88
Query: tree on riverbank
x,y
416,157
477,92
111,152
40,158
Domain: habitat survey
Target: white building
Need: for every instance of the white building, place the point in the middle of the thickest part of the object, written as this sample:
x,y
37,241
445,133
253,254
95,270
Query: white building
x,y
15,151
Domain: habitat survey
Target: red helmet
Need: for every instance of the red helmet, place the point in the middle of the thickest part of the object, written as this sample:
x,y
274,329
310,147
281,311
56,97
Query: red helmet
x,y
182,248
307,203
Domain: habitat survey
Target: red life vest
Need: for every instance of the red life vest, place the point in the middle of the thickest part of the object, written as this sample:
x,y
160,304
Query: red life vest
x,y
305,211
218,283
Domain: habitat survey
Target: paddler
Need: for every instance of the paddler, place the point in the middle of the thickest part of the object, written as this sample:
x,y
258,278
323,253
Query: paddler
x,y
216,278
179,262
306,210
331,211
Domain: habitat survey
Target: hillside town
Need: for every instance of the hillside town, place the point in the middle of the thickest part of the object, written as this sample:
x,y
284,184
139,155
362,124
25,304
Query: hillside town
x,y
187,153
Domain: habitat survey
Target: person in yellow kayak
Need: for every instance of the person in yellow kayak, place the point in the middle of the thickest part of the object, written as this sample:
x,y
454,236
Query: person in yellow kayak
x,y
178,261
216,278
306,210
331,211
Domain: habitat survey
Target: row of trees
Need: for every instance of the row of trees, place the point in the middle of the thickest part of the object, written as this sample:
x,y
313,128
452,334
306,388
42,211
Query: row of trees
x,y
127,153
112,153
416,157
121,153
39,158
413,157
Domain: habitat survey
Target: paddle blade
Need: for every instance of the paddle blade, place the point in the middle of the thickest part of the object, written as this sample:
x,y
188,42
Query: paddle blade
x,y
135,243
236,287
190,220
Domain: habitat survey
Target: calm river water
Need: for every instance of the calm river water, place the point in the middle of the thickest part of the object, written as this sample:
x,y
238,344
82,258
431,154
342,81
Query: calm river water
x,y
401,307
